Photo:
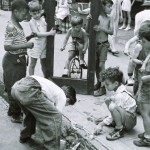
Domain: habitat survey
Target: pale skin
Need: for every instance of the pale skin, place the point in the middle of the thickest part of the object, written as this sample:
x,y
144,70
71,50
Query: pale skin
x,y
81,47
115,110
37,16
103,29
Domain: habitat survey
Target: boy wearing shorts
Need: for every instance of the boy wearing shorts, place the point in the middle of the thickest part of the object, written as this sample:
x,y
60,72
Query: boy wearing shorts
x,y
121,105
103,29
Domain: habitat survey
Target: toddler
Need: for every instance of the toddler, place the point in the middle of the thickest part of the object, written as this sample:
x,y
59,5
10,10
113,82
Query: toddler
x,y
39,27
79,36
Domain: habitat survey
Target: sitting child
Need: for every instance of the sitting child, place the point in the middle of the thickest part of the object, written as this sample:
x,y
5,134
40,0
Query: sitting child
x,y
121,104
79,36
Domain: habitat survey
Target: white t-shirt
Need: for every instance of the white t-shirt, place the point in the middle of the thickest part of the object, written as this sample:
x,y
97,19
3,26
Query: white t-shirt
x,y
140,18
53,92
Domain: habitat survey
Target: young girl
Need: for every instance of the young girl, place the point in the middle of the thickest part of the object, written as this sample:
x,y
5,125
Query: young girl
x,y
126,10
144,89
39,27
14,61
80,36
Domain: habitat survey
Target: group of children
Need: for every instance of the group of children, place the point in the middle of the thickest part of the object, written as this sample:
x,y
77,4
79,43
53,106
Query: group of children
x,y
121,104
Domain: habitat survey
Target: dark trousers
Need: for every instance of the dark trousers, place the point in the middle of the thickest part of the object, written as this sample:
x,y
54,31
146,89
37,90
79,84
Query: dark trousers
x,y
14,69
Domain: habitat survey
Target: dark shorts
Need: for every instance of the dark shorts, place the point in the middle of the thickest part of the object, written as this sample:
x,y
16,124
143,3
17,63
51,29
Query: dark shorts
x,y
101,51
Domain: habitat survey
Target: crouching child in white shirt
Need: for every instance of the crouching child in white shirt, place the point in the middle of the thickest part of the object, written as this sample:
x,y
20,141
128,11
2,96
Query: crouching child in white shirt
x,y
121,105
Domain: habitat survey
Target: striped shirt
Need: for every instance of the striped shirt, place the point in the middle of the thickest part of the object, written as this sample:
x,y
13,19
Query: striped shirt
x,y
15,36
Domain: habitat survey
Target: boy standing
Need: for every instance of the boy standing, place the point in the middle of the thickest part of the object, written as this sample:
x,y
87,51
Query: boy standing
x,y
121,104
14,60
102,31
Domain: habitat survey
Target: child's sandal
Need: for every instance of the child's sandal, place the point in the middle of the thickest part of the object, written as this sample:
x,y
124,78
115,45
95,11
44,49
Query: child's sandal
x,y
142,143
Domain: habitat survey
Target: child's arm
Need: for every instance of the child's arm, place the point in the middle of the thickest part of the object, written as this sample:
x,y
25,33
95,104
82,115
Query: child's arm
x,y
136,52
128,44
66,39
108,30
9,37
145,63
133,2
86,43
40,34
146,78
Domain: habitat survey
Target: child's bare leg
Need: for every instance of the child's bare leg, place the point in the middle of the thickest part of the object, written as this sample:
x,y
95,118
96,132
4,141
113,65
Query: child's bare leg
x,y
116,114
124,20
43,66
131,67
145,112
32,65
129,20
71,55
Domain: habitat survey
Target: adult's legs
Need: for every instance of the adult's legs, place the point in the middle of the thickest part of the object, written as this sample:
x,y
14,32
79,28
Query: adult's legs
x,y
124,20
129,20
32,65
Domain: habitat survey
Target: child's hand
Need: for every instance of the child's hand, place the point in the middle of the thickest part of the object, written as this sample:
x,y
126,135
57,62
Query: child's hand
x,y
98,131
142,69
83,51
52,32
89,17
62,49
30,45
97,28
127,53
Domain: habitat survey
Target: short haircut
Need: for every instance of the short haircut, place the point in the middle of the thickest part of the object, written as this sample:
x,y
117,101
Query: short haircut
x,y
18,5
112,74
76,20
70,93
144,31
35,5
104,2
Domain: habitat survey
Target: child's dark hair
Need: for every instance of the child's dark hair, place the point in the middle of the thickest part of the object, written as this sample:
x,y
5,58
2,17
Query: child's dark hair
x,y
18,5
104,2
144,31
112,74
76,20
70,93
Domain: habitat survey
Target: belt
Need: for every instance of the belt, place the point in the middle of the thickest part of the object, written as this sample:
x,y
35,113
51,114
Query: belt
x,y
99,43
19,55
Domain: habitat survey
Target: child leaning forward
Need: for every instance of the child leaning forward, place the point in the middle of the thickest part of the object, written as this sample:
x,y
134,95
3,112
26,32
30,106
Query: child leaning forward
x,y
121,105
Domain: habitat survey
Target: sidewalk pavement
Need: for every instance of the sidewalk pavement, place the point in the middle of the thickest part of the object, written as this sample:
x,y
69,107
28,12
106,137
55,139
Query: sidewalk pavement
x,y
86,106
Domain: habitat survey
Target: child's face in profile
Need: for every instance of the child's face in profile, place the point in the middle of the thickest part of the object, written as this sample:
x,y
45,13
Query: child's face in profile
x,y
77,28
21,14
111,86
36,13
108,8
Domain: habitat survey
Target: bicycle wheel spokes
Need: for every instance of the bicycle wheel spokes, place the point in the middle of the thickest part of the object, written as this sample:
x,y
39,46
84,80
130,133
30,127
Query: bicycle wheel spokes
x,y
75,71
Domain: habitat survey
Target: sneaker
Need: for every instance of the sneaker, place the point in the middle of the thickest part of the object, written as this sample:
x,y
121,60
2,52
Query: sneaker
x,y
127,28
97,86
100,92
142,143
122,27
24,140
130,82
116,134
17,119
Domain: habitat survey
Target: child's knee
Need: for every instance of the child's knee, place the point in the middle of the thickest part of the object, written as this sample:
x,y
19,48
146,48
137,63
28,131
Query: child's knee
x,y
112,106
